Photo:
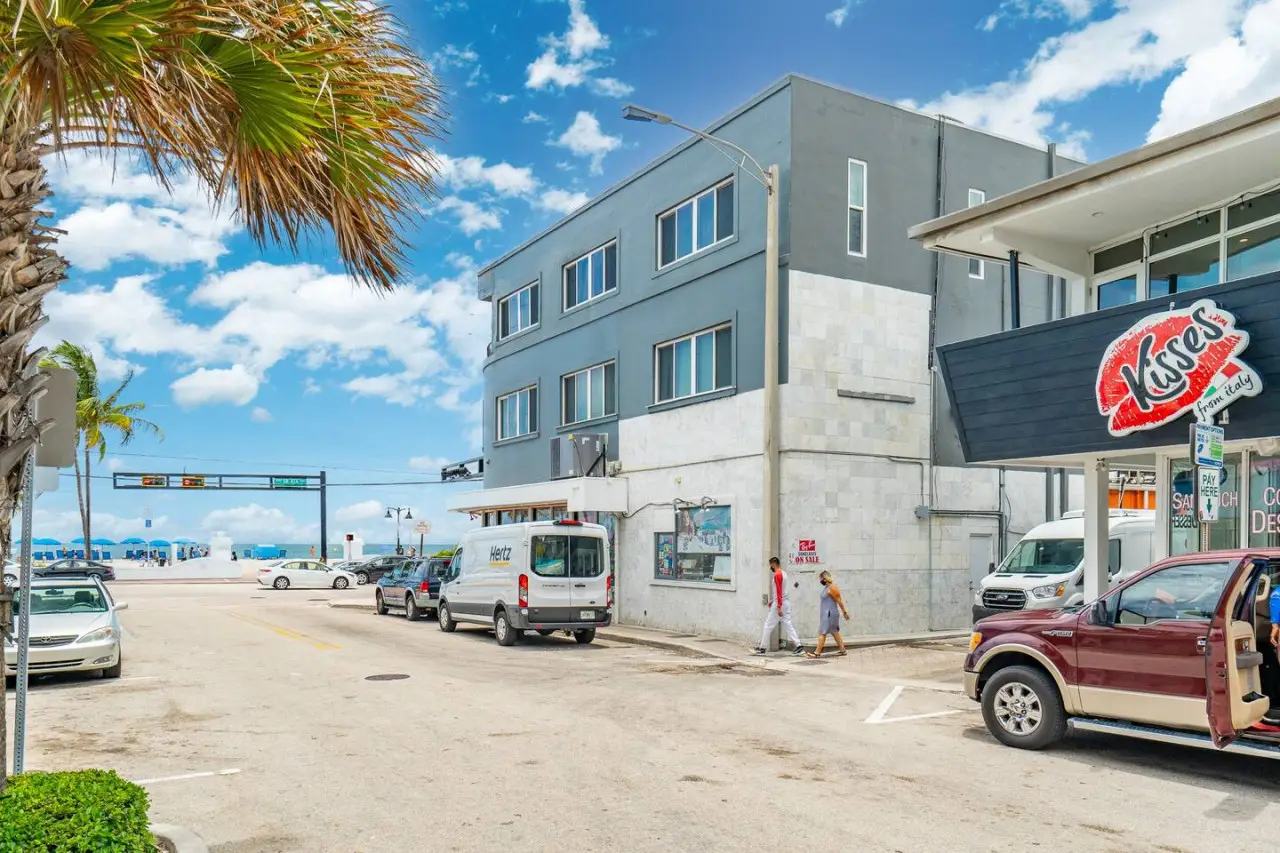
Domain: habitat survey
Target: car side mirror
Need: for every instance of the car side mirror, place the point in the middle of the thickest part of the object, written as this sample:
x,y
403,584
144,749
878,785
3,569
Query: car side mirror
x,y
122,605
991,567
1099,613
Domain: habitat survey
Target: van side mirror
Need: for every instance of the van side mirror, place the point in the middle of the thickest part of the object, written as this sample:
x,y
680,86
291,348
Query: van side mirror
x,y
991,567
1099,613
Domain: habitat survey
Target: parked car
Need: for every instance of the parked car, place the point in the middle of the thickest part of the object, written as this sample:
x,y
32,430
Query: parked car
x,y
74,628
544,576
11,572
415,588
373,569
1172,654
1045,570
304,574
101,571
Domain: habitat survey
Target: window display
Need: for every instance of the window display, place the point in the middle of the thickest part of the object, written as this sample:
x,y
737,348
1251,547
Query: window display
x,y
1184,530
704,544
1264,502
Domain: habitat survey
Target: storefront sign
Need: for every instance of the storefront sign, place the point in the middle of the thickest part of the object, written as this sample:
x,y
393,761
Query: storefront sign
x,y
804,552
1266,521
1206,445
1172,363
1208,493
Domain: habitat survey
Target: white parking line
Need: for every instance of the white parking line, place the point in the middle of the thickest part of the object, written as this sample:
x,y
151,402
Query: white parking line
x,y
877,717
231,771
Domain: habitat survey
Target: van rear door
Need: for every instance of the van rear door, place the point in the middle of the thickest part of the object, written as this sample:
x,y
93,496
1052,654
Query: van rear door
x,y
548,590
588,576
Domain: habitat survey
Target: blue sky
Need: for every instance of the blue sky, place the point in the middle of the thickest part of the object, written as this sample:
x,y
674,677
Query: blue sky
x,y
254,360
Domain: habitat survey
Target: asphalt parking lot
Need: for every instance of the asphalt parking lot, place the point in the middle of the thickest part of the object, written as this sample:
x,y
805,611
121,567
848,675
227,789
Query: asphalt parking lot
x,y
260,720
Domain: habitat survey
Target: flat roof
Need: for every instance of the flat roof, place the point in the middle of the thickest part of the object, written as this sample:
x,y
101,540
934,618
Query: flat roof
x,y
1095,176
752,102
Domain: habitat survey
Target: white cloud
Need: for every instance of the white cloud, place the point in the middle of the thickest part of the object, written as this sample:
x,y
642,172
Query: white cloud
x,y
837,15
1226,76
534,118
260,415
234,385
1141,41
472,218
562,201
65,525
257,523
403,389
585,139
429,463
310,386
570,60
989,23
452,56
114,463
503,178
362,511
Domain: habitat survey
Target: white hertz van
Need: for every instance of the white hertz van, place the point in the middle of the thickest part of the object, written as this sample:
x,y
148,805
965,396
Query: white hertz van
x,y
543,576
1045,570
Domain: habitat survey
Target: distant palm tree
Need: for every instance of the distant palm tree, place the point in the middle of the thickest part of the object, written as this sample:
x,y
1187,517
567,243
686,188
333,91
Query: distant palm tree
x,y
95,417
311,118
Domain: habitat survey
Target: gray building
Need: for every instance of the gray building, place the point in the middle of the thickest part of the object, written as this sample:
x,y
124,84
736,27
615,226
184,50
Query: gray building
x,y
641,318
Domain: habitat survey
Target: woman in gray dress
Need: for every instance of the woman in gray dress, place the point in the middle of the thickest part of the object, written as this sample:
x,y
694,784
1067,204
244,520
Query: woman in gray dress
x,y
829,616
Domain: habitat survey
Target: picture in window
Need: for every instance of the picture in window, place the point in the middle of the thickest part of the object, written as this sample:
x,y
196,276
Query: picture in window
x,y
704,544
1184,532
664,548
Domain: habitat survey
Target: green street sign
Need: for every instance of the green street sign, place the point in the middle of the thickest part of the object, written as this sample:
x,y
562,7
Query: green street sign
x,y
288,482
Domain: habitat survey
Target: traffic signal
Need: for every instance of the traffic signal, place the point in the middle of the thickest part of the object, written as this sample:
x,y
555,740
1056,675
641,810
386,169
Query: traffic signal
x,y
155,480
193,482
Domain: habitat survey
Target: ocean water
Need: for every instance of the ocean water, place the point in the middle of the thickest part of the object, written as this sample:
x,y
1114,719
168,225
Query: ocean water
x,y
303,549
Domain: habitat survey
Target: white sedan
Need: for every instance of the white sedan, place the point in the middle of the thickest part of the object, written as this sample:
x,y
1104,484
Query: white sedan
x,y
304,574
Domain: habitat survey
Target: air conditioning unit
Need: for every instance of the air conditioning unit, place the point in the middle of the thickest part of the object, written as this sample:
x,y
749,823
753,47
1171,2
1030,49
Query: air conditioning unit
x,y
579,455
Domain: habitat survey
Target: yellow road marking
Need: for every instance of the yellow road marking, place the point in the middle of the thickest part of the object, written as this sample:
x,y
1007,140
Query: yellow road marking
x,y
284,632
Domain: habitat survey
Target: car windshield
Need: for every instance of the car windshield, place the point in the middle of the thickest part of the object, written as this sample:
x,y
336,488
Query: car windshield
x,y
65,599
567,556
1043,557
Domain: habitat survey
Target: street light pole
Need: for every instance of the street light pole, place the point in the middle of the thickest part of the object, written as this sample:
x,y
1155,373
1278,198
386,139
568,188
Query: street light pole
x,y
408,514
770,179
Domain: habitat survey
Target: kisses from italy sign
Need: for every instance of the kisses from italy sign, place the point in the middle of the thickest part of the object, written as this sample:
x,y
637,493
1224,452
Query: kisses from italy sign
x,y
1171,363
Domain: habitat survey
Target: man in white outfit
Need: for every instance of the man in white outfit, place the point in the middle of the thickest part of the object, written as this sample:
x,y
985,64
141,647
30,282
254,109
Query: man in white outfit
x,y
779,611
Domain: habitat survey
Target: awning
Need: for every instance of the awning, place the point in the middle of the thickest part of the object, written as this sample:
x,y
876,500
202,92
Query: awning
x,y
1054,224
579,494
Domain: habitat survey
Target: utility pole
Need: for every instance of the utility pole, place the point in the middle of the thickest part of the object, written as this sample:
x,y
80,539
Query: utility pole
x,y
324,521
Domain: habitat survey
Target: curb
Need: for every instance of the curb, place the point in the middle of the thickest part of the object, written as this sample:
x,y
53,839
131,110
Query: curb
x,y
182,839
665,645
351,605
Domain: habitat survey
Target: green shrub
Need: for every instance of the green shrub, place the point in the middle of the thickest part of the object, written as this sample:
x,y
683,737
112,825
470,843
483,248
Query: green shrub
x,y
445,552
85,811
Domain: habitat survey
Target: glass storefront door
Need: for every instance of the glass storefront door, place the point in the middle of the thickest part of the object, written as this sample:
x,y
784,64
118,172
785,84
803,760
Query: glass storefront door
x,y
1184,530
1264,501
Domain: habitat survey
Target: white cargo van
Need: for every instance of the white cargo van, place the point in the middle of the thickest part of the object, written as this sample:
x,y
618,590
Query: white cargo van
x,y
543,576
1045,570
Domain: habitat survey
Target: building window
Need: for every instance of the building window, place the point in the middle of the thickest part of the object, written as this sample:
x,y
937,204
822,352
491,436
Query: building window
x,y
589,394
1184,529
695,224
1264,501
697,364
591,276
977,267
664,556
704,545
518,312
1120,291
857,208
518,413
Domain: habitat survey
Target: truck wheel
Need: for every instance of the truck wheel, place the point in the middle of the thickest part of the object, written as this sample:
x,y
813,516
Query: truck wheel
x,y
379,606
584,635
502,630
1022,708
411,611
445,619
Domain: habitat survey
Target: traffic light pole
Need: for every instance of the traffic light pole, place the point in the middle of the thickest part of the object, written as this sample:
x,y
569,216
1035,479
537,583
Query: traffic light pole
x,y
324,521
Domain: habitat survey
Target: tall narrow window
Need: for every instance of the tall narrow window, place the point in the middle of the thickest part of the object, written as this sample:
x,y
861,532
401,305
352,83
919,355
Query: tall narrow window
x,y
589,394
518,312
857,208
518,413
696,224
977,267
695,364
591,276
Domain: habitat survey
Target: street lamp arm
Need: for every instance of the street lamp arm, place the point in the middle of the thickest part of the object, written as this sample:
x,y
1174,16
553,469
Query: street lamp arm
x,y
762,174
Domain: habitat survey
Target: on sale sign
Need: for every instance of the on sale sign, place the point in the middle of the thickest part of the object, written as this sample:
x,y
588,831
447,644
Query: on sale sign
x,y
1171,363
804,552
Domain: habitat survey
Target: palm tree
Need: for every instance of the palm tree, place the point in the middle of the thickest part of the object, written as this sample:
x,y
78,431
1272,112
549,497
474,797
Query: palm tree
x,y
96,416
310,117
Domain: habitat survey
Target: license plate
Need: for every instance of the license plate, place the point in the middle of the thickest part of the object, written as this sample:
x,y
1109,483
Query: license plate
x,y
587,614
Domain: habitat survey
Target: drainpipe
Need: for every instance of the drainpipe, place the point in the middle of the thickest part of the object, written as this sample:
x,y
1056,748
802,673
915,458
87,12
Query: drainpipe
x,y
939,192
1015,292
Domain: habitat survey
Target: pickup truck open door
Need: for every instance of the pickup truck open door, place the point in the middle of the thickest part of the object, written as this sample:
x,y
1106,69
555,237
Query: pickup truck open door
x,y
1231,661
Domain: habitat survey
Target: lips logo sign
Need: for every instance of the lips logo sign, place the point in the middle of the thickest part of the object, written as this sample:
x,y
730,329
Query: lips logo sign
x,y
1171,363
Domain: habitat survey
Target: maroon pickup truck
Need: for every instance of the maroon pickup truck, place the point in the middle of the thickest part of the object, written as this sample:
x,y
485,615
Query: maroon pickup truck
x,y
1179,653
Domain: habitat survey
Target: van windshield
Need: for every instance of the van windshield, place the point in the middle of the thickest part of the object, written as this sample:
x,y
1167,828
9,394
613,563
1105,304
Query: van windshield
x,y
567,556
1043,557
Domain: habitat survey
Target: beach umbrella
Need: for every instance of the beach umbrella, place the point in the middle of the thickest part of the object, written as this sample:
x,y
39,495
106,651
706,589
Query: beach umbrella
x,y
97,540
133,540
159,543
46,542
79,540
184,542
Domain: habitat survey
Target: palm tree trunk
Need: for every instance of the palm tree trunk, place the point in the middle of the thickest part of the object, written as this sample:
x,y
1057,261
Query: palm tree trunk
x,y
84,519
86,511
29,269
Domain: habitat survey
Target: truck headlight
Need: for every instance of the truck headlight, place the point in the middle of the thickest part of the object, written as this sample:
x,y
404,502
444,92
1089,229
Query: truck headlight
x,y
1051,591
98,636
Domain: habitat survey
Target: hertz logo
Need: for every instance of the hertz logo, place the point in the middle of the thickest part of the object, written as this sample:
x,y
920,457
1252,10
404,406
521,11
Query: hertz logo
x,y
500,554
